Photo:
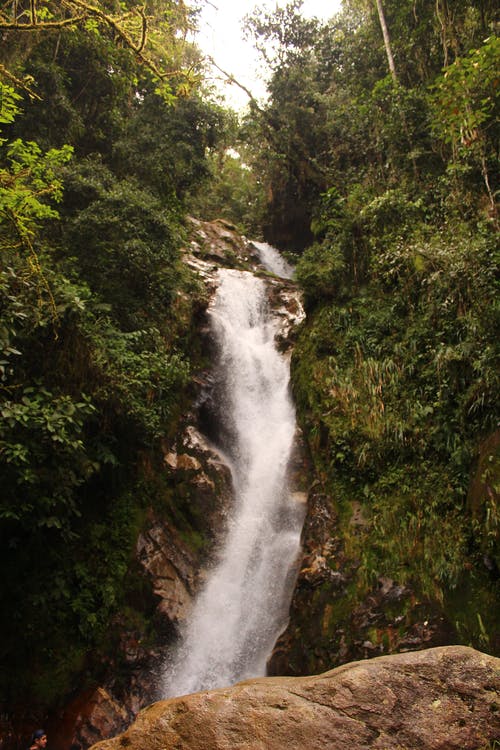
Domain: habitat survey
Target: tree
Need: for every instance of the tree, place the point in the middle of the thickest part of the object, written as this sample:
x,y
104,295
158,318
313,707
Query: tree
x,y
152,37
466,103
387,41
289,175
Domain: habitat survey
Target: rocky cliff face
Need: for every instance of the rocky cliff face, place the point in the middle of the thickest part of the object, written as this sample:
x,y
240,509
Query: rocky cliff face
x,y
198,470
332,619
437,699
177,541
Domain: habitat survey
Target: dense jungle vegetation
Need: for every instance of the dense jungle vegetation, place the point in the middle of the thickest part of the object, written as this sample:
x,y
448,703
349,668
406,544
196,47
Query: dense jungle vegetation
x,y
100,146
375,165
381,169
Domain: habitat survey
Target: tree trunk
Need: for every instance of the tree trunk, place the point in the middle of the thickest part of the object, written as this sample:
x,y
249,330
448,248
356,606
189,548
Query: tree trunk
x,y
387,41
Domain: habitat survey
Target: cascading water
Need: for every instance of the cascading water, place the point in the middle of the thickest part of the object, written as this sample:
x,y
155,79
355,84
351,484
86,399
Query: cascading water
x,y
273,260
243,607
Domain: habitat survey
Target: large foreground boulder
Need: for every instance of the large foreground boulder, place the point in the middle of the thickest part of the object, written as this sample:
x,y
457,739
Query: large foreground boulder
x,y
442,698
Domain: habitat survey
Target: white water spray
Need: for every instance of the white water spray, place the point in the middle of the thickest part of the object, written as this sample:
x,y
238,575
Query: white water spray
x,y
243,608
273,260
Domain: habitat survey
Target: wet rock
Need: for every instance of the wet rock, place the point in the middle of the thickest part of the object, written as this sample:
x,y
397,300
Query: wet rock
x,y
219,242
202,484
188,463
443,698
92,715
286,301
315,572
170,565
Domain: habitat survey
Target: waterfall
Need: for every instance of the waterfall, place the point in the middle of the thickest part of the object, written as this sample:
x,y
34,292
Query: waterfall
x,y
244,604
273,260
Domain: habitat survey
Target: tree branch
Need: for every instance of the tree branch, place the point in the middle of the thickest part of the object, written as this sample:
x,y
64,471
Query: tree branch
x,y
40,25
81,11
18,82
231,79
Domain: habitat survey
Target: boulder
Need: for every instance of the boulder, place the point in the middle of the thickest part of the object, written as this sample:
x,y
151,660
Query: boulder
x,y
443,698
217,243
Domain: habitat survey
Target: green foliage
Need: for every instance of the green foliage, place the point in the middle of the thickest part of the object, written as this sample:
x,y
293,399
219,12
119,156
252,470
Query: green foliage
x,y
466,96
9,99
320,272
154,39
235,194
466,115
425,542
390,215
43,458
28,181
396,373
329,213
398,384
335,119
123,241
137,377
167,149
281,33
96,312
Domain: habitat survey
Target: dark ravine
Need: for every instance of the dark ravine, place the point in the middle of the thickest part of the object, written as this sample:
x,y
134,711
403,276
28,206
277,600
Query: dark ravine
x,y
330,622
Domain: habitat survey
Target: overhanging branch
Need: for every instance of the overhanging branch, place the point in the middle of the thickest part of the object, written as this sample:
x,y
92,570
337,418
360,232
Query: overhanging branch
x,y
231,79
80,12
18,82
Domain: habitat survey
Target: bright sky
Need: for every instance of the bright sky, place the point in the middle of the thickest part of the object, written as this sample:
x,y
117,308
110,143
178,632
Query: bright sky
x,y
221,37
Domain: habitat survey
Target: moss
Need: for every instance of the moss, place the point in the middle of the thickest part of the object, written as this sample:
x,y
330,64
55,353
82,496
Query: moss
x,y
473,606
194,540
388,390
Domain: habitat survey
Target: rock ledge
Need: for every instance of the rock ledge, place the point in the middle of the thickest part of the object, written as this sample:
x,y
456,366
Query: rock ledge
x,y
443,698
